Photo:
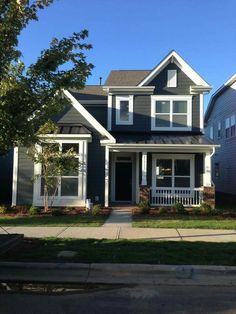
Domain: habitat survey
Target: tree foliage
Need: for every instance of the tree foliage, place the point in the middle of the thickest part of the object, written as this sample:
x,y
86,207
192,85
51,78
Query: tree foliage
x,y
30,95
54,163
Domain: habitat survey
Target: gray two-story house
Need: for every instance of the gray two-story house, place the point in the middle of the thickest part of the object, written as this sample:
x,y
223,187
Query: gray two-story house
x,y
220,127
141,134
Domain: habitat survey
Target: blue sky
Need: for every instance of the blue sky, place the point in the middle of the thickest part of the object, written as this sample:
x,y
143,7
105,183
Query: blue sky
x,y
137,34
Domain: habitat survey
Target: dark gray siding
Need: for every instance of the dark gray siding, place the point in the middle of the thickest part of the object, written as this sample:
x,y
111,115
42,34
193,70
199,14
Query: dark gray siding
x,y
96,162
99,112
6,165
142,103
96,171
25,178
224,107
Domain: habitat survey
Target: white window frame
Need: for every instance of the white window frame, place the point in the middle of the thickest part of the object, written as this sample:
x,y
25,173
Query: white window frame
x,y
171,78
78,200
130,99
155,98
174,157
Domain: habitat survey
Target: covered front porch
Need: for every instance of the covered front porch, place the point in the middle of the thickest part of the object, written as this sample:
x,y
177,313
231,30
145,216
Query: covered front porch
x,y
163,174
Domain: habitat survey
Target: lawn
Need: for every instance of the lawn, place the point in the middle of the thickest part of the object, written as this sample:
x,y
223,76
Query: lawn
x,y
173,221
54,221
125,251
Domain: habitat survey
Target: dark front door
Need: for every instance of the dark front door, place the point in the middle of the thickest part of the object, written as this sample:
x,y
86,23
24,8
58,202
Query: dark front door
x,y
123,181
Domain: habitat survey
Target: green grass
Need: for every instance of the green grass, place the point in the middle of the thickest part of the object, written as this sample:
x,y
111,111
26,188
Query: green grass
x,y
213,222
54,221
125,251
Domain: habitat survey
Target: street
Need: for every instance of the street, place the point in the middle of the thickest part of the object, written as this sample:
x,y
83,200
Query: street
x,y
125,299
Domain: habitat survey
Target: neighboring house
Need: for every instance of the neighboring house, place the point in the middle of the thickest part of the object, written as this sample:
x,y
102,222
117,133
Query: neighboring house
x,y
220,127
140,135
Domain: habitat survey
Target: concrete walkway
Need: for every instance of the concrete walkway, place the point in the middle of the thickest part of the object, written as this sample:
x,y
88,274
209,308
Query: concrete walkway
x,y
163,234
119,226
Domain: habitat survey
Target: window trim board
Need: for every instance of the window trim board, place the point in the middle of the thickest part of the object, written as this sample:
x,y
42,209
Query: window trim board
x,y
118,99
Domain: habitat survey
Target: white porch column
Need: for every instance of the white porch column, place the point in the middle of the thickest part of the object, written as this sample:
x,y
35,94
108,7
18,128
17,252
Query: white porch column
x,y
144,168
106,176
207,169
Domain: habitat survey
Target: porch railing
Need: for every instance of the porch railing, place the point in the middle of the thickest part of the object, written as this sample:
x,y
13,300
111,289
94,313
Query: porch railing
x,y
168,197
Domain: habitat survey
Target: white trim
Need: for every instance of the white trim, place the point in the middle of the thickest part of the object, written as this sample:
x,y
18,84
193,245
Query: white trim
x,y
201,103
106,176
80,108
78,200
174,57
134,89
207,169
62,136
137,178
173,157
171,98
130,99
15,175
144,168
171,78
109,112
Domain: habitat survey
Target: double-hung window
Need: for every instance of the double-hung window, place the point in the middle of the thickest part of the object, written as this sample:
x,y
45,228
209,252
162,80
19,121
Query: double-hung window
x,y
230,126
173,171
171,113
219,130
124,110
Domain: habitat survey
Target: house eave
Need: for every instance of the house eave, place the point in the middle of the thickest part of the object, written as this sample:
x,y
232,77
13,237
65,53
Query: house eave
x,y
133,89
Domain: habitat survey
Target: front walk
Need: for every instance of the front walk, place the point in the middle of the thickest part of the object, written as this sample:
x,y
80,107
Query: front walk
x,y
119,226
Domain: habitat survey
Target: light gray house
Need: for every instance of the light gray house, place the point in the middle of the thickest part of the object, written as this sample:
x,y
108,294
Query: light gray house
x,y
220,127
140,134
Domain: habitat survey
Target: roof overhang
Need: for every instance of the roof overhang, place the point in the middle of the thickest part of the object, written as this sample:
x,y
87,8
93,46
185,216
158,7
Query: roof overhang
x,y
219,91
197,89
127,89
163,148
174,57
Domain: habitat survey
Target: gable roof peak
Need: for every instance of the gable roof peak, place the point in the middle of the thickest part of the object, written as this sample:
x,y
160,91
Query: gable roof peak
x,y
173,56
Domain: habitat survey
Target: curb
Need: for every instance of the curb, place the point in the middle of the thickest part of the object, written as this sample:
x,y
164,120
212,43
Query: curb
x,y
93,273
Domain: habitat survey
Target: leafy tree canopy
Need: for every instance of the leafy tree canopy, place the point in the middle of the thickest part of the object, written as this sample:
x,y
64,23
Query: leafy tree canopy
x,y
30,95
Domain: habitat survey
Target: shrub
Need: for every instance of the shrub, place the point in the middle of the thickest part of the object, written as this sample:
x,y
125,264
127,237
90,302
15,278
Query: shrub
x,y
205,209
196,210
144,206
3,209
34,210
179,209
97,208
163,210
57,212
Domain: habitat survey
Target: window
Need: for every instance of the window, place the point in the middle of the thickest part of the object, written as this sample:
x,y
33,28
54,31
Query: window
x,y
172,78
230,126
124,110
66,185
227,127
173,172
211,133
217,169
219,130
171,112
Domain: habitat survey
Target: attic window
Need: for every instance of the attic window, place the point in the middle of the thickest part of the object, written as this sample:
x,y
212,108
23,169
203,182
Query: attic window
x,y
172,78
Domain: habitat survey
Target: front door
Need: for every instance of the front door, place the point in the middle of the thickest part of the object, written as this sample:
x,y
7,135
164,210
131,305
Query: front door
x,y
123,182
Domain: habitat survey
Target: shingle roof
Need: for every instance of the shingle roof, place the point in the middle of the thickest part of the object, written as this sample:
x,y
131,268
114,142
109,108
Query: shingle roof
x,y
89,92
126,77
139,138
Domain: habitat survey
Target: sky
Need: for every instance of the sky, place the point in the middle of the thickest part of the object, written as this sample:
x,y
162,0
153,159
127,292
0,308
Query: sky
x,y
137,34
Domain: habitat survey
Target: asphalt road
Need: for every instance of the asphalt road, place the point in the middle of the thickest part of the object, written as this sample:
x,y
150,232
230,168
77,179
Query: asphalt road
x,y
124,300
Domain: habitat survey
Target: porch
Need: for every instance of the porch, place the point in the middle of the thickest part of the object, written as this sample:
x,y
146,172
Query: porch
x,y
163,174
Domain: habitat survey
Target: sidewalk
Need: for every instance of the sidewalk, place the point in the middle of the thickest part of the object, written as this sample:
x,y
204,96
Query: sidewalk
x,y
117,232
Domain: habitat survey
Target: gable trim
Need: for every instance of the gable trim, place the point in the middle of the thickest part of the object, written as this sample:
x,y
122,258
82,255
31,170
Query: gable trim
x,y
179,61
80,108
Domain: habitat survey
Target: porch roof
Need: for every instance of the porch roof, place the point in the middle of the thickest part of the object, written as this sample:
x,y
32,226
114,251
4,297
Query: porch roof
x,y
70,128
152,139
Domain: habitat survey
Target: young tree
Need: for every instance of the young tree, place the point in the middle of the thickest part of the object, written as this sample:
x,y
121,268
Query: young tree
x,y
54,163
30,95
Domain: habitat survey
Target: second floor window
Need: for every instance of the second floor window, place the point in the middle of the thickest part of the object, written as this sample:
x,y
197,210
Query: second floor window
x,y
230,126
219,130
124,110
171,113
